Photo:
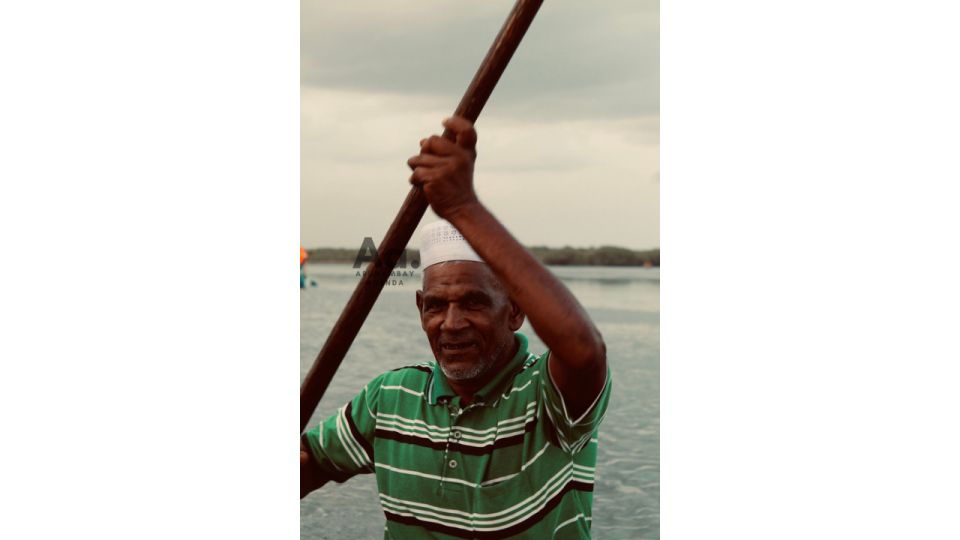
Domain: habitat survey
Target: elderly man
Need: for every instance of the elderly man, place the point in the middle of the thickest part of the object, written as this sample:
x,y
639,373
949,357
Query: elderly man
x,y
489,441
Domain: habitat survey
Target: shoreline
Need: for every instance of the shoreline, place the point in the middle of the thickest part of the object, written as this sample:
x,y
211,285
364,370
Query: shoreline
x,y
565,256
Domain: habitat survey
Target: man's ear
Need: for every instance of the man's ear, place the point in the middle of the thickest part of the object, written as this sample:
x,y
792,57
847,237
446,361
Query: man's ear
x,y
423,324
516,316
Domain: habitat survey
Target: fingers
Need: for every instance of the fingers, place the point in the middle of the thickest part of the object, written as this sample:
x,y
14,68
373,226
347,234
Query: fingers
x,y
422,175
425,160
435,144
436,151
425,167
464,138
464,133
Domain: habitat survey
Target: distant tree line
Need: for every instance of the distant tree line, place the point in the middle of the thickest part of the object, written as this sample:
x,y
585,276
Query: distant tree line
x,y
596,256
347,255
331,255
565,256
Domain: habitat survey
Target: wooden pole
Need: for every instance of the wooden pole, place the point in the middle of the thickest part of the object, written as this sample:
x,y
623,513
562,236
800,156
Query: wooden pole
x,y
395,241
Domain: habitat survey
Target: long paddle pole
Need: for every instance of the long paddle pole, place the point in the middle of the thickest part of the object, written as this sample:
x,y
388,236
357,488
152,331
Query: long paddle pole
x,y
368,289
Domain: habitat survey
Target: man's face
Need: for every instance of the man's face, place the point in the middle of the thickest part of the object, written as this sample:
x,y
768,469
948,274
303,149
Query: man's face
x,y
468,318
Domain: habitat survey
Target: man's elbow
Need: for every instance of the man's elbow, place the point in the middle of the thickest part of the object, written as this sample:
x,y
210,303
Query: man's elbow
x,y
590,353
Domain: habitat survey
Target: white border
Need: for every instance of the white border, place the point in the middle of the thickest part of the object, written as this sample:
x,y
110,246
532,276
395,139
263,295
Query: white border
x,y
149,208
809,288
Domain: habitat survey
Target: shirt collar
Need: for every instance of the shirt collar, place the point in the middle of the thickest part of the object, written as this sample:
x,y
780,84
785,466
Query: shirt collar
x,y
440,388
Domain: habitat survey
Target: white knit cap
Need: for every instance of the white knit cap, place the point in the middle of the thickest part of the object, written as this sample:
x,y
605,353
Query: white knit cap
x,y
441,242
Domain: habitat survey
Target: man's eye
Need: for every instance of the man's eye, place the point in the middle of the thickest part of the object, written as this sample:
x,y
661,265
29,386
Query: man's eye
x,y
432,308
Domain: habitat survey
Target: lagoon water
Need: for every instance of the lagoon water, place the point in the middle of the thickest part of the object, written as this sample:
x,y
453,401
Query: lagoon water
x,y
625,305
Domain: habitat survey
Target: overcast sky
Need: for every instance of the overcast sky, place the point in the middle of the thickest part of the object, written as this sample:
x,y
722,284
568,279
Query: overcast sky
x,y
568,143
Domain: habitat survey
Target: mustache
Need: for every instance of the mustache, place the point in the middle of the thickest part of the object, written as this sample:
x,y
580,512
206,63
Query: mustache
x,y
458,339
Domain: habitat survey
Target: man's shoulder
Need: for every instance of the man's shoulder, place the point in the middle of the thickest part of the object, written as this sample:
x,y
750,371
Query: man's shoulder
x,y
411,379
531,364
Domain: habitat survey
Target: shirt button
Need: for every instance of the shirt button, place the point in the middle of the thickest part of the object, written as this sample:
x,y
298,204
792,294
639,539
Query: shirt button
x,y
452,464
456,435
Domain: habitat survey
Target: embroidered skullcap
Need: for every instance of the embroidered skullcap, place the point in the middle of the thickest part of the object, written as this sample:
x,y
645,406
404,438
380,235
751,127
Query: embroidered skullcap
x,y
441,242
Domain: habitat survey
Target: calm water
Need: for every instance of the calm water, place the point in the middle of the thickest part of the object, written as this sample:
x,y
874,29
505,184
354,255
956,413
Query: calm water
x,y
625,305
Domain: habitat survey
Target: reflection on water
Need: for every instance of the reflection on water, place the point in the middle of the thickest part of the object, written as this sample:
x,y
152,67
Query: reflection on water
x,y
625,305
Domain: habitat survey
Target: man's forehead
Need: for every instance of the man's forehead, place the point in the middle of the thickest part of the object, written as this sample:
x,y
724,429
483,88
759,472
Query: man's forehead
x,y
467,274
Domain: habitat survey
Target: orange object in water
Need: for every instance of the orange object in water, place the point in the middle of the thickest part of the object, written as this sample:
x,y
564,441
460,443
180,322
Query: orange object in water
x,y
303,256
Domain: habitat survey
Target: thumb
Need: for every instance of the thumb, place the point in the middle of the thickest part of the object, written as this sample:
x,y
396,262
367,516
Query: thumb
x,y
464,132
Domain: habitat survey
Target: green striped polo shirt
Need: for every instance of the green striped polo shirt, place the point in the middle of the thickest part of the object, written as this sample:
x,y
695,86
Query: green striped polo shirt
x,y
511,464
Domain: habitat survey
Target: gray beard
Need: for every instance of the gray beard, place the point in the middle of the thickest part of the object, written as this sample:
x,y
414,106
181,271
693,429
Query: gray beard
x,y
464,373
472,371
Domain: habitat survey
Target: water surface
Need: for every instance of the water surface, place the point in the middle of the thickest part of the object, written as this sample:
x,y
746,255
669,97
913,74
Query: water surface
x,y
625,305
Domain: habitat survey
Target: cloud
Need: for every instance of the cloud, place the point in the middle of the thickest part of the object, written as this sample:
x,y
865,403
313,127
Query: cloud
x,y
576,181
608,51
569,141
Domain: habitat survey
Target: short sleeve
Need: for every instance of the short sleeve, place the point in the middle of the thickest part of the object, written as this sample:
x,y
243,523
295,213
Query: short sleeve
x,y
342,445
572,433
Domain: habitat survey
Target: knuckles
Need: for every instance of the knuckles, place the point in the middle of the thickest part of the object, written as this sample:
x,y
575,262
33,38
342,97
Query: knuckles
x,y
447,160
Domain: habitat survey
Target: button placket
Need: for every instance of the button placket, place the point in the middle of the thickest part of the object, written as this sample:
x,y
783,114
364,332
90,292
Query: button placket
x,y
454,436
449,462
456,433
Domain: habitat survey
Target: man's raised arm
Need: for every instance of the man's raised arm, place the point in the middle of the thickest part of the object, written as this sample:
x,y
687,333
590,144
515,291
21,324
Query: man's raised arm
x,y
577,352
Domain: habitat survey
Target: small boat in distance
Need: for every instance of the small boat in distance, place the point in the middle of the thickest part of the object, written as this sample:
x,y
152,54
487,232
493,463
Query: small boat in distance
x,y
303,262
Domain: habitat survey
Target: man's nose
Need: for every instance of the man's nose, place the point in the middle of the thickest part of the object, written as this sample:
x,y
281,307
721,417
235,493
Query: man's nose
x,y
453,319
